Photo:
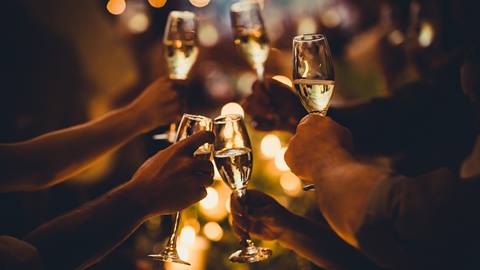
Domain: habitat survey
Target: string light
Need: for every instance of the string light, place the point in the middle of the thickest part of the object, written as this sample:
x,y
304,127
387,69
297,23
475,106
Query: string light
x,y
116,7
213,231
280,161
157,3
270,145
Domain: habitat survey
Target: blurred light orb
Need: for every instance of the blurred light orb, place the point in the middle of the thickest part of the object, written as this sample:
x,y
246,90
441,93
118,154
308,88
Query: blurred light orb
x,y
116,7
280,160
283,79
211,200
291,184
187,236
232,108
157,3
213,231
138,23
208,35
330,18
183,252
245,82
425,38
227,205
270,145
200,3
396,37
307,25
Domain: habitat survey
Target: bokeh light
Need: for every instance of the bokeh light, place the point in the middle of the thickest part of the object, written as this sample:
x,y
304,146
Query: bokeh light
x,y
306,25
291,184
283,79
200,3
270,145
116,7
396,37
187,236
211,200
232,108
245,82
227,205
208,35
280,160
213,231
426,35
157,3
330,18
138,22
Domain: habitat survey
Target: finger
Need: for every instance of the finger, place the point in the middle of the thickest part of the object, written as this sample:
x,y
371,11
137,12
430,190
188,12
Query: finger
x,y
192,143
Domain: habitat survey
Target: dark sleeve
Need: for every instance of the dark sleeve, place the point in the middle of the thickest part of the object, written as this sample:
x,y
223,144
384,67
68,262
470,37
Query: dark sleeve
x,y
426,222
427,125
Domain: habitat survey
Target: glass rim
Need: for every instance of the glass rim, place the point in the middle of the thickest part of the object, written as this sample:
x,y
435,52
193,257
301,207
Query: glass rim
x,y
182,14
222,119
196,117
311,37
243,6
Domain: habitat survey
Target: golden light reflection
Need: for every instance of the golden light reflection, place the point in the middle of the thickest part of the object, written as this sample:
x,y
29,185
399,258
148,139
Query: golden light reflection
x,y
283,79
116,7
200,3
280,161
213,231
291,184
157,3
211,200
227,205
270,145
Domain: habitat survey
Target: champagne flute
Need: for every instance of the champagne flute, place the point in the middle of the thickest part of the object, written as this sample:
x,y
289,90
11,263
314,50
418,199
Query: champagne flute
x,y
189,125
180,51
313,74
250,35
233,157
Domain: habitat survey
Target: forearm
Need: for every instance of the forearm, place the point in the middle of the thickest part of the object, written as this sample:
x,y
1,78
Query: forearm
x,y
343,192
320,245
53,157
88,233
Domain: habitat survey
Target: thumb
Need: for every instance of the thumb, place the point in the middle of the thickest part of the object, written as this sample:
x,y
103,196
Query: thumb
x,y
192,143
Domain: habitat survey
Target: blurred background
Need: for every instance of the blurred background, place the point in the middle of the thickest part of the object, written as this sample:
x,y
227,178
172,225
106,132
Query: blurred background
x,y
65,62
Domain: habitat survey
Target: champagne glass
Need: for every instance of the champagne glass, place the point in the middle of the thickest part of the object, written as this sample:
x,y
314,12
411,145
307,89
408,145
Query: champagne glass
x,y
180,51
313,74
189,125
233,157
250,35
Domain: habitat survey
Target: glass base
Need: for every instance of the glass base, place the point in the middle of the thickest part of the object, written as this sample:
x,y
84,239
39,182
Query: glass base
x,y
168,255
251,254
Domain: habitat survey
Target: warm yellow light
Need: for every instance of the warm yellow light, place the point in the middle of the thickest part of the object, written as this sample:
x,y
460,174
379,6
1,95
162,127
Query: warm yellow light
x,y
245,82
280,161
200,3
138,23
307,25
283,79
270,145
291,184
213,231
330,18
211,200
116,7
157,3
232,108
187,236
208,35
227,205
425,38
183,252
396,37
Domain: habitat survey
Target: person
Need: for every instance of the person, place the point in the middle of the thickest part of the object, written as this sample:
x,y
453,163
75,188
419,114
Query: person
x,y
53,157
425,221
85,235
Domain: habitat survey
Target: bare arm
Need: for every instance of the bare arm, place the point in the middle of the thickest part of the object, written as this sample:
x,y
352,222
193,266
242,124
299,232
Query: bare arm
x,y
56,156
80,238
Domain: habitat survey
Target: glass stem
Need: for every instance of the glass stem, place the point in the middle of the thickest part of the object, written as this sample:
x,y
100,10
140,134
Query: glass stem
x,y
246,241
172,241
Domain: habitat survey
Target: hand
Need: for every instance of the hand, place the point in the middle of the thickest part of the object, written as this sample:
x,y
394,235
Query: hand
x,y
319,144
173,179
158,105
260,215
273,106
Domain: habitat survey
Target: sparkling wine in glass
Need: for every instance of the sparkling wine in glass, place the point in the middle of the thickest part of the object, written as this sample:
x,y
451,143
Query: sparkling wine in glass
x,y
233,158
250,35
180,51
313,74
189,125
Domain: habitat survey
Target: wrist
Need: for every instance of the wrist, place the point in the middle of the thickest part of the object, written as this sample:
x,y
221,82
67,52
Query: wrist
x,y
135,200
290,227
138,118
338,160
